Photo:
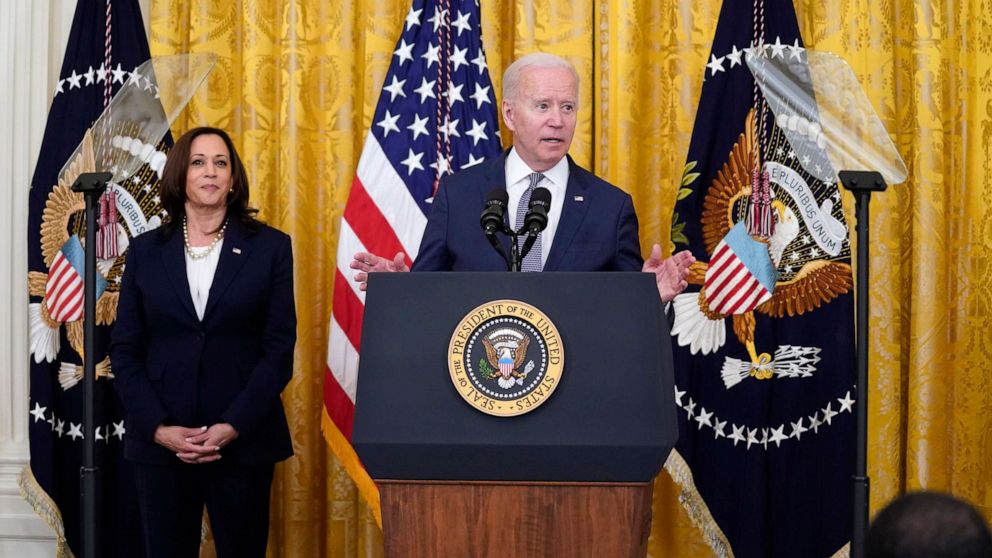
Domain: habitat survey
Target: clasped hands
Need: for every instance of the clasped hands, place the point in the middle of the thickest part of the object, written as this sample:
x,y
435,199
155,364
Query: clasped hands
x,y
671,274
196,445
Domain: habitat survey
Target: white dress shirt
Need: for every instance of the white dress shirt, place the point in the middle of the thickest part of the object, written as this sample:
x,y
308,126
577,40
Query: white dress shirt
x,y
200,275
555,179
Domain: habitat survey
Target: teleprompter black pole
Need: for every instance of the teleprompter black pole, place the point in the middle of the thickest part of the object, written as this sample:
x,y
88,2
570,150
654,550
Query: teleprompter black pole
x,y
92,185
861,184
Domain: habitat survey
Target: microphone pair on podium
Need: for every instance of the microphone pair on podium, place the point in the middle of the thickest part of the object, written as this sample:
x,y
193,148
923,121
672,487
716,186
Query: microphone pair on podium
x,y
493,221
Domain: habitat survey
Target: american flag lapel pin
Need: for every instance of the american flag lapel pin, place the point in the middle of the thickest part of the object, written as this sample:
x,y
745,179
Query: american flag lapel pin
x,y
236,250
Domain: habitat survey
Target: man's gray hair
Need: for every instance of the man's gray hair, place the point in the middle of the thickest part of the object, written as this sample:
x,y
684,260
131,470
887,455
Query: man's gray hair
x,y
511,77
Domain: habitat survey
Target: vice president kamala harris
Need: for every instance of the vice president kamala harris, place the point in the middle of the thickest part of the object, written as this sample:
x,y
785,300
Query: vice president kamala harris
x,y
202,348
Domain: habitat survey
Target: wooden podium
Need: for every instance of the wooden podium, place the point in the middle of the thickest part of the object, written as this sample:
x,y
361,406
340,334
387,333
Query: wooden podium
x,y
573,477
428,519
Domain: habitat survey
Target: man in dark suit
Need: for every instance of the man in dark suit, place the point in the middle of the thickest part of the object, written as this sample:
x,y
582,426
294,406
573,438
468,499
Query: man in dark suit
x,y
591,223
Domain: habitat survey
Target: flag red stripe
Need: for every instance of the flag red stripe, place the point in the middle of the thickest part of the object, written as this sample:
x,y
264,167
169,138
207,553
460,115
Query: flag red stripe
x,y
722,279
744,294
348,310
63,306
370,226
75,315
748,289
56,275
739,288
721,259
64,293
339,406
757,295
61,286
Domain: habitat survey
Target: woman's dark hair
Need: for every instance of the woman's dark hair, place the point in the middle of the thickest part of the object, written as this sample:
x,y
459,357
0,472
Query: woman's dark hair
x,y
173,183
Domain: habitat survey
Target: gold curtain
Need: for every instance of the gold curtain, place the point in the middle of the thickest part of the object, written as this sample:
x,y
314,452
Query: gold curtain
x,y
297,84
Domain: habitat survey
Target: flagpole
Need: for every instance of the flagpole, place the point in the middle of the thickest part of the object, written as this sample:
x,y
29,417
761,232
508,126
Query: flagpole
x,y
92,185
861,184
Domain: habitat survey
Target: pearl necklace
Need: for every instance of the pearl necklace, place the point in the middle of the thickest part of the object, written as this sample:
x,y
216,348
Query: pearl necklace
x,y
210,248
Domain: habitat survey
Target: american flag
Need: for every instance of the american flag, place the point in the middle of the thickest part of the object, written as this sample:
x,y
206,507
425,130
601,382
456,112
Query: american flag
x,y
436,114
741,274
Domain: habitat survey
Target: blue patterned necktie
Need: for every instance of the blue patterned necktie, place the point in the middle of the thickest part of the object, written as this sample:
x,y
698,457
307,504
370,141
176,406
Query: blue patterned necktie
x,y
532,261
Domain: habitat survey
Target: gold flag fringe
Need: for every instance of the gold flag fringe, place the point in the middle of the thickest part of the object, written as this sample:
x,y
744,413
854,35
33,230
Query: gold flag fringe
x,y
352,465
694,505
844,552
700,514
45,507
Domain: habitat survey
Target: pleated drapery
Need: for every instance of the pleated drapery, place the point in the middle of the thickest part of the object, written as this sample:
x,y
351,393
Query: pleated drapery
x,y
296,85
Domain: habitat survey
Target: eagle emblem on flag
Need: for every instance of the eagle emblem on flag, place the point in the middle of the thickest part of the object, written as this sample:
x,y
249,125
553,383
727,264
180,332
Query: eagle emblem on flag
x,y
767,269
61,288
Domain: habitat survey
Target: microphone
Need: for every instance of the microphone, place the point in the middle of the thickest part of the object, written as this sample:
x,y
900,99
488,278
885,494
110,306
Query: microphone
x,y
493,212
536,218
492,220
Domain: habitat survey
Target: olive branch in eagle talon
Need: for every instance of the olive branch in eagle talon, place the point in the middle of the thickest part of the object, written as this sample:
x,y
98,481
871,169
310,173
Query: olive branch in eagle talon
x,y
486,370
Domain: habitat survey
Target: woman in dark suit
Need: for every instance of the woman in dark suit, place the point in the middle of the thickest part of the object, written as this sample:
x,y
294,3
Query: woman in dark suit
x,y
202,348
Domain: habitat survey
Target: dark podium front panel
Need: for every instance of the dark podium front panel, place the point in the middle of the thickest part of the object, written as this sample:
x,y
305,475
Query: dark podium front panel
x,y
610,419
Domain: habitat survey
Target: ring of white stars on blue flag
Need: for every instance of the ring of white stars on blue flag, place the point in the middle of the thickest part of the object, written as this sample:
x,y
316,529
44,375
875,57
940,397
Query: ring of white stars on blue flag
x,y
407,121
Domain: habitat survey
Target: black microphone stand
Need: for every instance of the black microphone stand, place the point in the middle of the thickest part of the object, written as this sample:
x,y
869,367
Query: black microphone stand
x,y
515,261
516,258
535,221
92,185
494,241
516,255
861,184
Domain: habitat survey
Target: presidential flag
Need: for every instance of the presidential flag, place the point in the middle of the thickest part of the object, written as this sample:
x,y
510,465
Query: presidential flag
x,y
436,115
106,44
764,347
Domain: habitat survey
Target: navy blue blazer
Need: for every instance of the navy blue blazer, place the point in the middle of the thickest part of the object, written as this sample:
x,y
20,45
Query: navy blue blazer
x,y
171,368
597,230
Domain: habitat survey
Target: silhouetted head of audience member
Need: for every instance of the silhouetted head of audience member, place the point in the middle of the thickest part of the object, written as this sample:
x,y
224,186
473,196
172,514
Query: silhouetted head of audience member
x,y
929,525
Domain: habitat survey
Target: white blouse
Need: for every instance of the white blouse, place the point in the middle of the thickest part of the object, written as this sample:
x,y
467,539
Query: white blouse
x,y
200,275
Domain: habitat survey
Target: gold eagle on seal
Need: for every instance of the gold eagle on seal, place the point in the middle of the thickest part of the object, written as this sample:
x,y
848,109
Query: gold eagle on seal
x,y
506,351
